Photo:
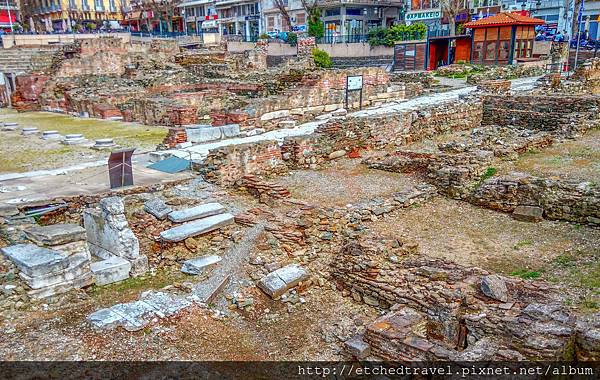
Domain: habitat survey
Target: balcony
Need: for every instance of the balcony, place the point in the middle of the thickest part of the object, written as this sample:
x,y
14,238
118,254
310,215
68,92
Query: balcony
x,y
375,3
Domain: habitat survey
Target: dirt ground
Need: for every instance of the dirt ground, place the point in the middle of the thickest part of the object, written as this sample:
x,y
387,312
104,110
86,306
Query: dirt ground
x,y
563,253
27,153
577,159
346,181
312,331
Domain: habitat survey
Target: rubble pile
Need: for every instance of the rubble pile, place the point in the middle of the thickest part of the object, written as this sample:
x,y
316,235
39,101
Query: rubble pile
x,y
441,310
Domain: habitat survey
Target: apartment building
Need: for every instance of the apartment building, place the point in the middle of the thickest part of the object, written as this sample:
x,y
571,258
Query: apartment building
x,y
64,15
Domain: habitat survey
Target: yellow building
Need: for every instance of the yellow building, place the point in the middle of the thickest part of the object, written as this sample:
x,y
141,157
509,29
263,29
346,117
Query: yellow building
x,y
71,15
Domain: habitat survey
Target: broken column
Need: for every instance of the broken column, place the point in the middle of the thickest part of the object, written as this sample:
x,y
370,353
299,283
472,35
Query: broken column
x,y
109,235
58,261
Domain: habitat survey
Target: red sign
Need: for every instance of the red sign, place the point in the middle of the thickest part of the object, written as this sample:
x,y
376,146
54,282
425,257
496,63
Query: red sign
x,y
211,17
5,19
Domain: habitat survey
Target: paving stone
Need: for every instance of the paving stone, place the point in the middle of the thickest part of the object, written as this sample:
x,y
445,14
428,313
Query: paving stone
x,y
197,227
197,265
35,261
63,287
528,213
197,212
110,270
105,318
163,304
278,282
158,208
56,234
136,315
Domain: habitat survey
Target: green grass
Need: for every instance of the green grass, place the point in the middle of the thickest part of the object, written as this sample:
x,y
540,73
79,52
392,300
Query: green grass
x,y
527,274
523,243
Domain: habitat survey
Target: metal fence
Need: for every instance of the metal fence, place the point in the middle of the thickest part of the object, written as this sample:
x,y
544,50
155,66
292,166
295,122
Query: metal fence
x,y
343,39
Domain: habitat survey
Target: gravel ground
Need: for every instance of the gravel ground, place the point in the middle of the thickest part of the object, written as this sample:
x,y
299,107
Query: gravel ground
x,y
577,159
345,181
560,252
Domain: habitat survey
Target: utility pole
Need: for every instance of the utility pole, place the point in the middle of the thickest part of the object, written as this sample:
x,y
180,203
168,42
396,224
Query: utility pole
x,y
577,41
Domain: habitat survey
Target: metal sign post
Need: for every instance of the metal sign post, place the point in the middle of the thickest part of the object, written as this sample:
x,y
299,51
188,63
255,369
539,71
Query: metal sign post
x,y
354,83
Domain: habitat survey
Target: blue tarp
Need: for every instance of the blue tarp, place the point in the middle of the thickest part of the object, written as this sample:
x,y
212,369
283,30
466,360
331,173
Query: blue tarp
x,y
171,165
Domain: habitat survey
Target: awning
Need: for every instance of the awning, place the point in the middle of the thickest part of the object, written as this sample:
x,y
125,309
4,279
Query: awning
x,y
209,24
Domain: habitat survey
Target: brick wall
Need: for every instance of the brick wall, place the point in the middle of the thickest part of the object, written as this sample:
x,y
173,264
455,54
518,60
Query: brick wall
x,y
229,164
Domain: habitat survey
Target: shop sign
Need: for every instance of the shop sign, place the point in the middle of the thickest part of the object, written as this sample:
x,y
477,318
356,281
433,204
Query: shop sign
x,y
190,19
423,15
252,17
299,28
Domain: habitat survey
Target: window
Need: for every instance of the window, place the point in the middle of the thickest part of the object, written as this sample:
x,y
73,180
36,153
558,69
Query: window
x,y
200,11
478,52
354,11
504,50
332,12
270,23
301,18
490,51
285,26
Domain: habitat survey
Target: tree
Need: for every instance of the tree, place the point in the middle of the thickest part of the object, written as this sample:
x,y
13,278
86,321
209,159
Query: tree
x,y
282,6
452,8
315,25
309,5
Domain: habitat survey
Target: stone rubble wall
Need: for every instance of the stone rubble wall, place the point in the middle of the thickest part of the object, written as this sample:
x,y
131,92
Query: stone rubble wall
x,y
561,200
531,324
337,136
551,113
229,164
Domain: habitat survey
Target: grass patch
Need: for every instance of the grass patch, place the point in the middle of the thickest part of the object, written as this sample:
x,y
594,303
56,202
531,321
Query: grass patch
x,y
489,173
522,244
526,274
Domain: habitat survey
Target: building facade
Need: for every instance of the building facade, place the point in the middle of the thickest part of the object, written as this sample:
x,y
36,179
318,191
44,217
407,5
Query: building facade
x,y
350,20
71,15
240,18
9,15
200,16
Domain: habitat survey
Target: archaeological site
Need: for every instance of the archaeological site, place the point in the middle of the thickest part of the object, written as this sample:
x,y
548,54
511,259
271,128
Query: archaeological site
x,y
228,203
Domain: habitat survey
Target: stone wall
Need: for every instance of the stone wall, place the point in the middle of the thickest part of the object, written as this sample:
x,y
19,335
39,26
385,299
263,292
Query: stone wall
x,y
560,200
443,309
229,164
557,113
589,75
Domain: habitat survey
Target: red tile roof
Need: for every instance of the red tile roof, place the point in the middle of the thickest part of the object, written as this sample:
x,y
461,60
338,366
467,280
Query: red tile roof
x,y
502,19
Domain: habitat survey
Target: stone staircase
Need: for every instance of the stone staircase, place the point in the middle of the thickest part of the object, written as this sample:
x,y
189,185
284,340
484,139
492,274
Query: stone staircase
x,y
351,62
195,221
23,60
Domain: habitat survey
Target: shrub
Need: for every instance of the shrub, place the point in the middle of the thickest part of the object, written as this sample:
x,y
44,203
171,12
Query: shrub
x,y
322,59
292,39
263,36
315,25
92,26
389,36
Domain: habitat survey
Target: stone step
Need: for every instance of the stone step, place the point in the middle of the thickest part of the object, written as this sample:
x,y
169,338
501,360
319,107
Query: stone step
x,y
278,282
197,265
197,227
55,234
110,270
197,212
35,261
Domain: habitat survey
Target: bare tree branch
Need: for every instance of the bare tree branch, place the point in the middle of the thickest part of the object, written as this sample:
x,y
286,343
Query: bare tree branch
x,y
281,5
452,8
